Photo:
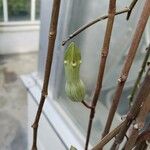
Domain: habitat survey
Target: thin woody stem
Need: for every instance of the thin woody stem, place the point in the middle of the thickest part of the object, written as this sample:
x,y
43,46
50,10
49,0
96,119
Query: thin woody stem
x,y
131,8
145,135
139,124
127,64
52,37
108,137
84,27
104,53
141,146
136,85
142,95
86,105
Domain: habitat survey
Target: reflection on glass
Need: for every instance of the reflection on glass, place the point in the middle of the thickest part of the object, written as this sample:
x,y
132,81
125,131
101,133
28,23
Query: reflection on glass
x,y
1,10
37,13
19,10
90,42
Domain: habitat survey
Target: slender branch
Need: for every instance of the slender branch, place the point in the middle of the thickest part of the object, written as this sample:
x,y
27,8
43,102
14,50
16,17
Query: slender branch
x,y
139,124
133,134
108,137
142,95
131,8
86,105
84,27
104,53
52,37
136,85
127,64
142,138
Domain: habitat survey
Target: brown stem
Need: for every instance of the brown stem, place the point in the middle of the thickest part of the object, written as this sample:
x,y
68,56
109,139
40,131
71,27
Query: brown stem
x,y
52,37
131,8
125,10
104,53
142,95
142,138
127,65
84,27
139,124
145,135
86,105
141,146
108,137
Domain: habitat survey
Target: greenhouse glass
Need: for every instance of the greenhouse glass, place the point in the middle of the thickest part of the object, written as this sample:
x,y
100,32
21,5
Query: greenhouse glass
x,y
73,14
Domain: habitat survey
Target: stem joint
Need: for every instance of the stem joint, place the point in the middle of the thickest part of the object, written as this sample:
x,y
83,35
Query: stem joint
x,y
35,125
44,94
122,78
52,34
104,53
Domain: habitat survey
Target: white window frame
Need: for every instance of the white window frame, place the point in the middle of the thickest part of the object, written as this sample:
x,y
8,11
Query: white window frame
x,y
6,17
5,10
56,116
54,112
33,10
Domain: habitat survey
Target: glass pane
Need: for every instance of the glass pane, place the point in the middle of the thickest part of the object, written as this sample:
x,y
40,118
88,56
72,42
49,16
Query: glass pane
x,y
90,42
37,13
1,10
19,10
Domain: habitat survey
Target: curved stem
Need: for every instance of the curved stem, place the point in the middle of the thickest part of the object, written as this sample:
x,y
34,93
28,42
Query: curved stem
x,y
86,105
84,27
131,8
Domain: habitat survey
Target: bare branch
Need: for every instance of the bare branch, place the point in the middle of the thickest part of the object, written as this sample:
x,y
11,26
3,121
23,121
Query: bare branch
x,y
84,27
145,135
52,37
141,146
131,8
139,124
108,137
86,105
142,95
127,64
104,53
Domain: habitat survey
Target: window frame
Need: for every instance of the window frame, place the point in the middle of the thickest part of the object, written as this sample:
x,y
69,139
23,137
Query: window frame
x,y
32,13
55,115
52,109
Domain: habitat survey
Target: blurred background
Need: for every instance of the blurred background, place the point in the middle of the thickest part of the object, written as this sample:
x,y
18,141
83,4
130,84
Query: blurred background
x,y
19,45
24,30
